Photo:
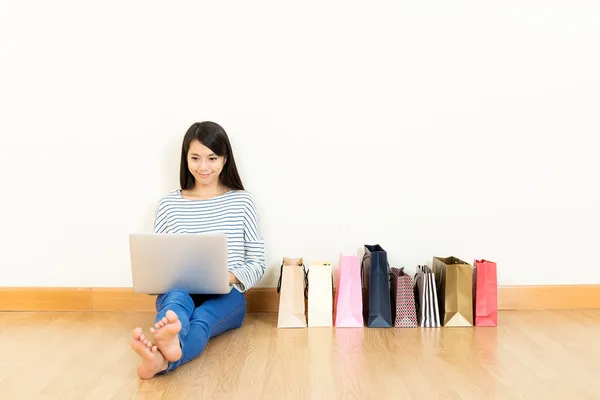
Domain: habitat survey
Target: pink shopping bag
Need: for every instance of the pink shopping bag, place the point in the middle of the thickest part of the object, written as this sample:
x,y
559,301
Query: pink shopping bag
x,y
348,296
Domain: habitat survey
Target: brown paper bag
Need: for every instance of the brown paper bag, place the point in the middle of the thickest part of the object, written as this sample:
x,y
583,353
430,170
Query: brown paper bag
x,y
291,289
454,282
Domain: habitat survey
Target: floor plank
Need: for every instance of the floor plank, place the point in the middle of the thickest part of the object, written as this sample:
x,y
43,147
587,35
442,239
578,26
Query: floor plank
x,y
531,355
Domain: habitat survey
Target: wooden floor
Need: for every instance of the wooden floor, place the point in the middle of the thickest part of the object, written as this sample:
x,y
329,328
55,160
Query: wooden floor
x,y
531,355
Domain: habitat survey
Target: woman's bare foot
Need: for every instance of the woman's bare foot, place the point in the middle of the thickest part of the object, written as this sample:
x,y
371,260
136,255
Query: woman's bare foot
x,y
165,335
152,362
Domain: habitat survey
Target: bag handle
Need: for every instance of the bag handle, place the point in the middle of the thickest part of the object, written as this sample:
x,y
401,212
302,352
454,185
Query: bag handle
x,y
280,276
305,279
362,264
362,269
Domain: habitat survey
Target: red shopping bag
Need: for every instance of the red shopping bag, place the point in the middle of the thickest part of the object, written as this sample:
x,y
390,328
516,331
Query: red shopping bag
x,y
485,291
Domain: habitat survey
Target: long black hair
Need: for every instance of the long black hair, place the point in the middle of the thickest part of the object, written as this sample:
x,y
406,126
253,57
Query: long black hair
x,y
213,136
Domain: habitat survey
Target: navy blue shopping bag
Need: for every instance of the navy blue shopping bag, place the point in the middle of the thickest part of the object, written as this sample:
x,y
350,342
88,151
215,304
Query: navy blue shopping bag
x,y
376,274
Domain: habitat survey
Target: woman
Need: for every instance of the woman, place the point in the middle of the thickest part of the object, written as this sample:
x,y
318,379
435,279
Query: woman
x,y
212,199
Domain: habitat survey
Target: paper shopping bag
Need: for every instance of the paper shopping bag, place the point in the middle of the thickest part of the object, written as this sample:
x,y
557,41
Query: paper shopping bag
x,y
454,281
403,300
320,295
485,291
428,314
291,289
348,295
376,288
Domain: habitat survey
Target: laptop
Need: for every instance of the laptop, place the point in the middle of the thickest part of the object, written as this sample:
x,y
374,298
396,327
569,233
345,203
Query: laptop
x,y
194,263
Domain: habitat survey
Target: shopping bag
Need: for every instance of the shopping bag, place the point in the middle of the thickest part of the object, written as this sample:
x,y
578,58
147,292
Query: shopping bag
x,y
291,288
428,314
348,294
376,288
454,282
485,293
320,295
403,300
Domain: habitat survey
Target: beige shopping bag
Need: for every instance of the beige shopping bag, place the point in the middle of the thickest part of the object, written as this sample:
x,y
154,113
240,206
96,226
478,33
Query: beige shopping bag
x,y
291,289
320,295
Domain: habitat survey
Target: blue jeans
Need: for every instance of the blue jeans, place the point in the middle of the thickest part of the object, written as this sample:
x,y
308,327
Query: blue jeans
x,y
202,317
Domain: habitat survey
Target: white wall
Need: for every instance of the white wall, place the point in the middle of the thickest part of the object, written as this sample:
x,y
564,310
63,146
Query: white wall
x,y
441,128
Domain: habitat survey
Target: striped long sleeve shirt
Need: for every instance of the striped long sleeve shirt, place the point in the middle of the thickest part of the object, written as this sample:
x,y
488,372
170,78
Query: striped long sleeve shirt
x,y
234,214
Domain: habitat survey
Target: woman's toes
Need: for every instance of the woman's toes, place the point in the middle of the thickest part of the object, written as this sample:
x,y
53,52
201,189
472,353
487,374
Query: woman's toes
x,y
137,332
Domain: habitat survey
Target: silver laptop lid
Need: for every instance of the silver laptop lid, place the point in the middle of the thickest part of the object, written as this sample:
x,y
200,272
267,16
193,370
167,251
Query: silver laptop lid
x,y
194,263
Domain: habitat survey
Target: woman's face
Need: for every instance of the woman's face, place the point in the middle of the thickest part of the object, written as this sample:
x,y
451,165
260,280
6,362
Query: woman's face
x,y
203,164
